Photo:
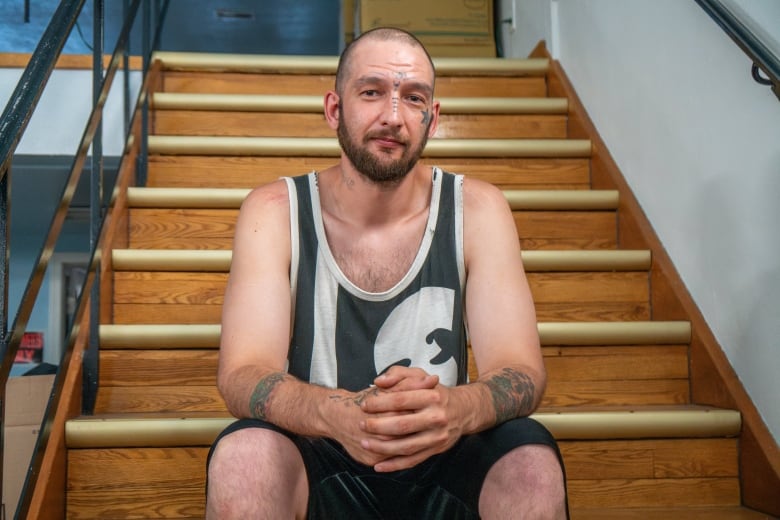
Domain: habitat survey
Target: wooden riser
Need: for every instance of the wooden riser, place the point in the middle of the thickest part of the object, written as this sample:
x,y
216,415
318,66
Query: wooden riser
x,y
249,172
170,482
164,297
142,381
318,84
213,229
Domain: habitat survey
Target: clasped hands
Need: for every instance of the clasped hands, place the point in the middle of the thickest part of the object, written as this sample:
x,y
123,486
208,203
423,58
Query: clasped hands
x,y
402,420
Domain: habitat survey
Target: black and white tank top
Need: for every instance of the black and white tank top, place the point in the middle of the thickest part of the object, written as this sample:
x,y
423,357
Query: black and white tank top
x,y
343,336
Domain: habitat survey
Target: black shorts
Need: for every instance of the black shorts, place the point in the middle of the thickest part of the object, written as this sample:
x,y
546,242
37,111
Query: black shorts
x,y
446,486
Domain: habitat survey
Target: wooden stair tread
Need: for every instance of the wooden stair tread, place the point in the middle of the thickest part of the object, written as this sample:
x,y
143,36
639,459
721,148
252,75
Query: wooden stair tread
x,y
551,333
313,104
149,430
231,198
328,147
193,260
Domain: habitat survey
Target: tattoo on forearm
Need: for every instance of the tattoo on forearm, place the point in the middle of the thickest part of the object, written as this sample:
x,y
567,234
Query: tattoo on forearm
x,y
258,403
356,399
513,394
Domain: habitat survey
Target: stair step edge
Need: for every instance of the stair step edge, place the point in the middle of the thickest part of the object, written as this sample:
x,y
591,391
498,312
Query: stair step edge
x,y
187,336
329,147
192,260
313,104
231,198
264,63
684,422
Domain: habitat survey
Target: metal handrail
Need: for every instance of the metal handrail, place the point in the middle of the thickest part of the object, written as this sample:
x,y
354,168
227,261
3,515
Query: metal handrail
x,y
13,123
763,58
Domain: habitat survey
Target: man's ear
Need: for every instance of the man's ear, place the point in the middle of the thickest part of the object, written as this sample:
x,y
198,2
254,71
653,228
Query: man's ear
x,y
332,109
435,107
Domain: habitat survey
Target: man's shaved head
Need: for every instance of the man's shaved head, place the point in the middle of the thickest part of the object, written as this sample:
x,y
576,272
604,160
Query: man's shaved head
x,y
378,34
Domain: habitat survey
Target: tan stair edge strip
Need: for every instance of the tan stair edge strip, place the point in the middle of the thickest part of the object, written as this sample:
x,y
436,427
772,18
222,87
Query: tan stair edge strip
x,y
328,147
96,432
222,198
573,334
193,260
313,104
265,63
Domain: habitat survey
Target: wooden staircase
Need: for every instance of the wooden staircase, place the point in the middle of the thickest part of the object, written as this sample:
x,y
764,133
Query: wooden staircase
x,y
635,442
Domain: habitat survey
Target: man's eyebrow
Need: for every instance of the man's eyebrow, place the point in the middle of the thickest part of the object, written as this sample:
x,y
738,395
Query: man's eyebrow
x,y
421,86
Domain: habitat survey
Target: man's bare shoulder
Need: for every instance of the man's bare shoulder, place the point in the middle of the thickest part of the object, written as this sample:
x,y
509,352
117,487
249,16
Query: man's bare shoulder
x,y
269,197
482,197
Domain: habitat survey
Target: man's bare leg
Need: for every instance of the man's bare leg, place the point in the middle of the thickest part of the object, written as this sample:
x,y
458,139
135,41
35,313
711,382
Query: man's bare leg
x,y
256,473
526,483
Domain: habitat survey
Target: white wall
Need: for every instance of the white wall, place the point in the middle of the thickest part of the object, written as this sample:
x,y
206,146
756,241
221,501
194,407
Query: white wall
x,y
699,143
57,125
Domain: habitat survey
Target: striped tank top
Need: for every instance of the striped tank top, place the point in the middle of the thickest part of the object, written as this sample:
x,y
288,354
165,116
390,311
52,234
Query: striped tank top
x,y
343,336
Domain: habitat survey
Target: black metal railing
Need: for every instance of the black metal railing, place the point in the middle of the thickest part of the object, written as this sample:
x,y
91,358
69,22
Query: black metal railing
x,y
765,60
13,122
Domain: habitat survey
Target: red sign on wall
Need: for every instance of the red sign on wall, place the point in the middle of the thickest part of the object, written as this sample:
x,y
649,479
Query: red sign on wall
x,y
31,349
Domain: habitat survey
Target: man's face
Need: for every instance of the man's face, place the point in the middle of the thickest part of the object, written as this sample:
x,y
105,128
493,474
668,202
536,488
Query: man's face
x,y
386,111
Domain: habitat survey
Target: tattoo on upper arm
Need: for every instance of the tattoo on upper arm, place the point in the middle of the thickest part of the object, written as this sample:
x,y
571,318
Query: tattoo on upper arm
x,y
513,394
258,403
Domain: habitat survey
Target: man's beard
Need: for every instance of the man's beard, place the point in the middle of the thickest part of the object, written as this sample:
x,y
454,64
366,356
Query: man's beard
x,y
375,170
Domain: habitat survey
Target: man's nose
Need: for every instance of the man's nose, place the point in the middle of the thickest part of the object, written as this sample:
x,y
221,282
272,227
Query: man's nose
x,y
391,111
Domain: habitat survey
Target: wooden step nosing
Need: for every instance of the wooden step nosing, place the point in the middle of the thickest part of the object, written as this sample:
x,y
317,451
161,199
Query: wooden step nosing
x,y
314,104
200,198
615,333
643,424
171,260
270,64
147,432
550,333
159,336
231,198
566,200
328,147
95,432
194,260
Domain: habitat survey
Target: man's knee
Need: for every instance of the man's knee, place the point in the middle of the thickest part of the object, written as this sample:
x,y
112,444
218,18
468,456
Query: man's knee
x,y
255,465
528,480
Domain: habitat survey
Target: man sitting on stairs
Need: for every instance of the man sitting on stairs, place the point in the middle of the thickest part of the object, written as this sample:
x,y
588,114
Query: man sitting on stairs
x,y
343,350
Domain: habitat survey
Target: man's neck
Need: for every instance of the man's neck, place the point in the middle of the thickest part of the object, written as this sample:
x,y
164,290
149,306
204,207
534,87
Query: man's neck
x,y
348,195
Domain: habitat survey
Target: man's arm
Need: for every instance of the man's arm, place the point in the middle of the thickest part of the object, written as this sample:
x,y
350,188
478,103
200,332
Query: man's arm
x,y
255,338
504,339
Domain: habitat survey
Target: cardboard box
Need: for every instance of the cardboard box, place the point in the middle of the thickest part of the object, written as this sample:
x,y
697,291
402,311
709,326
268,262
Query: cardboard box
x,y
26,400
446,27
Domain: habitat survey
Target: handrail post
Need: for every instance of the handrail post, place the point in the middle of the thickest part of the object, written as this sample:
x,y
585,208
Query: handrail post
x,y
91,354
5,251
142,163
126,68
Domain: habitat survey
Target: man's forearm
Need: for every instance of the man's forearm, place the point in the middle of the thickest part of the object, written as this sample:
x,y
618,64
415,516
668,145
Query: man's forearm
x,y
278,398
513,392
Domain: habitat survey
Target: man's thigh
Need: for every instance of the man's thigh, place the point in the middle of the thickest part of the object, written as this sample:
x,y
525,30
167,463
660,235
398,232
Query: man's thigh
x,y
445,486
